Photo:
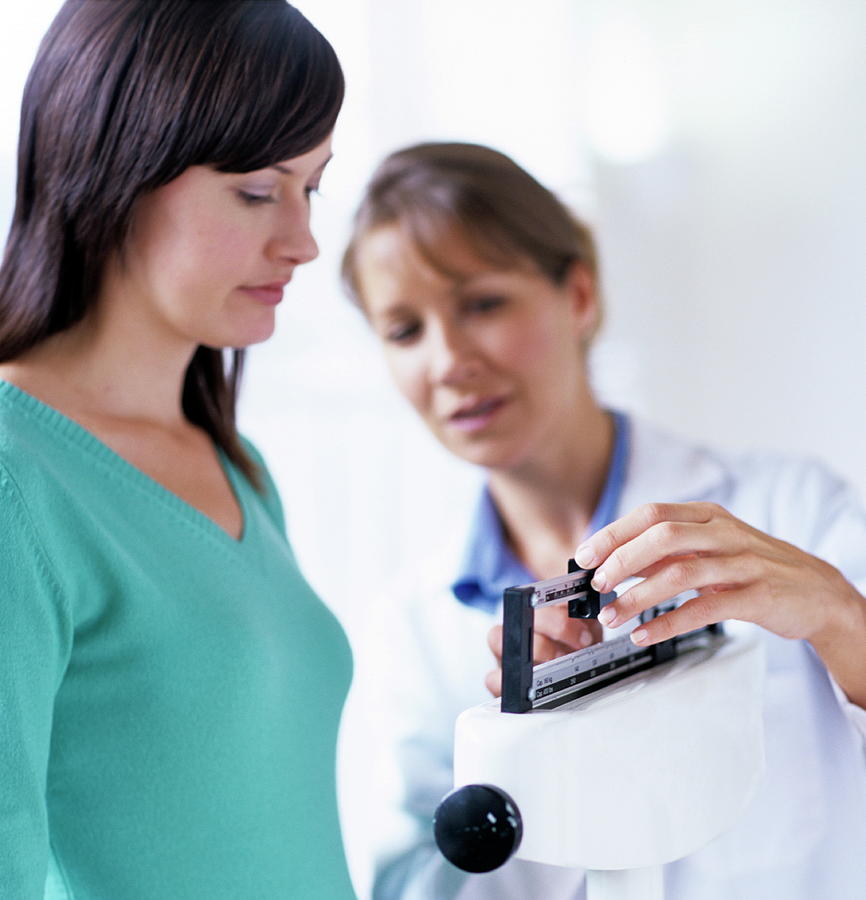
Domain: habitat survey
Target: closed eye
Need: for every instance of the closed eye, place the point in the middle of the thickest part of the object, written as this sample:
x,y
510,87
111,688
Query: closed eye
x,y
484,304
256,199
403,332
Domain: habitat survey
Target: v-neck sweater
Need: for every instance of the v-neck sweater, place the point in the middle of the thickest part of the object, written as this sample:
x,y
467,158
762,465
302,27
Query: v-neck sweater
x,y
169,696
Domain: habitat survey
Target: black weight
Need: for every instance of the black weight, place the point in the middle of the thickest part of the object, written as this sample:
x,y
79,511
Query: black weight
x,y
477,827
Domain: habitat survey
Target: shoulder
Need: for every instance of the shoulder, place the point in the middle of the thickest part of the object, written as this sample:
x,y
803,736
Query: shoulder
x,y
36,461
22,433
662,466
43,451
784,494
801,500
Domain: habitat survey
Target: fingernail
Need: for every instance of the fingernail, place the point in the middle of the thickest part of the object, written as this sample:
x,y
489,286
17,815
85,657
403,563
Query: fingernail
x,y
599,582
586,639
607,615
585,556
638,636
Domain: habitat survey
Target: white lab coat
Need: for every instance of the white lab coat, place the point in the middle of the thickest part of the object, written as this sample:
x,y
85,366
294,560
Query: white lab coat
x,y
804,835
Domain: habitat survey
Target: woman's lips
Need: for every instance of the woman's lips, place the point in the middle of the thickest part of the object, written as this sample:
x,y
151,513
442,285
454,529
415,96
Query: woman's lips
x,y
477,416
269,294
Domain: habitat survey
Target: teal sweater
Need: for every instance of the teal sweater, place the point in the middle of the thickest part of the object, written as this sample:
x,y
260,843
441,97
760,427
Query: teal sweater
x,y
169,697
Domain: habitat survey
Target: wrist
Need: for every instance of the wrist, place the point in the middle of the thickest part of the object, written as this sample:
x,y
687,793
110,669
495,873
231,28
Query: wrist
x,y
842,615
841,642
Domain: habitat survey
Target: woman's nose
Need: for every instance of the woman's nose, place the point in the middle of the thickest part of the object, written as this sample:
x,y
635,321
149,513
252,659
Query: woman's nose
x,y
454,359
294,240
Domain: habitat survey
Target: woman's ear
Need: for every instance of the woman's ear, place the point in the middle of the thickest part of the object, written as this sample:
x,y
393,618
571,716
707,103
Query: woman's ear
x,y
582,290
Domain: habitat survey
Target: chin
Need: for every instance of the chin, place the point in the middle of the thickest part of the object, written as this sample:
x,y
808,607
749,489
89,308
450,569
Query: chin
x,y
240,338
255,339
487,454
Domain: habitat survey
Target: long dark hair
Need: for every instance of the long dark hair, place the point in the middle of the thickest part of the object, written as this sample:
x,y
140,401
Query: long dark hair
x,y
498,208
123,96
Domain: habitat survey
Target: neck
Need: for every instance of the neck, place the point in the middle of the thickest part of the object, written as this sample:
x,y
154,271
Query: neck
x,y
546,506
108,366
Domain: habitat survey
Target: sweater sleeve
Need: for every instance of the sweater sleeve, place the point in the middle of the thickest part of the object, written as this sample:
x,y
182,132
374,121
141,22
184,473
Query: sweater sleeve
x,y
35,637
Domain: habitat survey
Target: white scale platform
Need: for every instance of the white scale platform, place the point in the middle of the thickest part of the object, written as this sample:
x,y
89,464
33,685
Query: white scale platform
x,y
638,774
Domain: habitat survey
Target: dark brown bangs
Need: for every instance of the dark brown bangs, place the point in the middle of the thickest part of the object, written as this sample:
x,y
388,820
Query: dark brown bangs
x,y
236,85
282,101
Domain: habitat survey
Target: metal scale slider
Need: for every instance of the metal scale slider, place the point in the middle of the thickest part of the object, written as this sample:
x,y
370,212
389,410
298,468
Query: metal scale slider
x,y
550,684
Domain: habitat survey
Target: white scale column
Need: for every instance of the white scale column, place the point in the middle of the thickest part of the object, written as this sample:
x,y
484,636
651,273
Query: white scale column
x,y
634,776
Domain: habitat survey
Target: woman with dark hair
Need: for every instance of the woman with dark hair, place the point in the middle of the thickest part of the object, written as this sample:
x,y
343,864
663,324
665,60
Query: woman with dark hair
x,y
484,292
170,686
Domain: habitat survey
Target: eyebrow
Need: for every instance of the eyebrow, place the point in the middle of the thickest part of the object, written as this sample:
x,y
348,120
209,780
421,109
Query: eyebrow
x,y
285,170
397,308
480,279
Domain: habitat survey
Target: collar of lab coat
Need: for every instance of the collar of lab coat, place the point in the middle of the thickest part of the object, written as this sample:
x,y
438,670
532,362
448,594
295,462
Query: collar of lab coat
x,y
661,467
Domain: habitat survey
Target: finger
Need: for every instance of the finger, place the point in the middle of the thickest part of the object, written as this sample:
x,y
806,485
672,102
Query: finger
x,y
544,649
668,539
494,642
554,635
554,623
493,682
657,567
680,574
597,549
707,609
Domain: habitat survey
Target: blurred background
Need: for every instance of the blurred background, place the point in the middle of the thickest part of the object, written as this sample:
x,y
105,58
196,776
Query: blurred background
x,y
717,146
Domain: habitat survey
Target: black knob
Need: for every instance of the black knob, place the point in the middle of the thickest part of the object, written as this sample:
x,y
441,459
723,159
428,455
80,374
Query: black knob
x,y
477,827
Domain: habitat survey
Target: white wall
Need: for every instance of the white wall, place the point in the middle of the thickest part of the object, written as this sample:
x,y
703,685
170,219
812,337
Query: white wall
x,y
718,147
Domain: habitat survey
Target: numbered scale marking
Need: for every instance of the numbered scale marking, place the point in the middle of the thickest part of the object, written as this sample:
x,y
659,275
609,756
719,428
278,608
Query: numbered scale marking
x,y
550,684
